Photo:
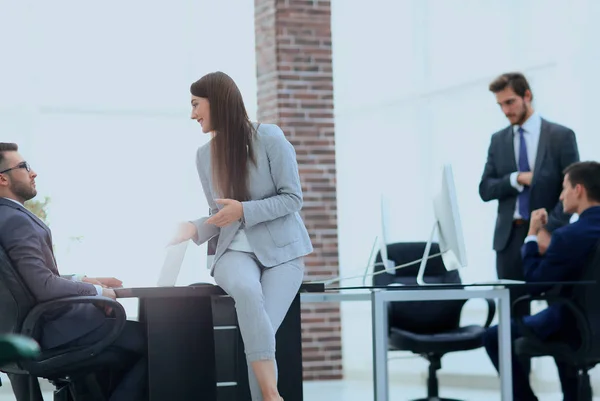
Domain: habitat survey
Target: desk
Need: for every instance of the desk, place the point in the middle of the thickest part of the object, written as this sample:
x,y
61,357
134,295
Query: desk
x,y
195,350
379,298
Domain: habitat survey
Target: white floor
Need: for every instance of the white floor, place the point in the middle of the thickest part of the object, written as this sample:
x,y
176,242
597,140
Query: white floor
x,y
363,390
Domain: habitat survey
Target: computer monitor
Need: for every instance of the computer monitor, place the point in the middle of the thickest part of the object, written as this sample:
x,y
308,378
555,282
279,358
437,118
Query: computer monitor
x,y
447,225
387,264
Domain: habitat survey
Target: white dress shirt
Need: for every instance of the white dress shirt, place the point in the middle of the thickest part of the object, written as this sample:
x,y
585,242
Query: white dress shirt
x,y
12,200
532,128
240,242
74,277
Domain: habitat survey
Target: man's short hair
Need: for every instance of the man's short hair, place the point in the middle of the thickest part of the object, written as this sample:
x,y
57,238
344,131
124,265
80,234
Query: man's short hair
x,y
586,174
514,80
6,147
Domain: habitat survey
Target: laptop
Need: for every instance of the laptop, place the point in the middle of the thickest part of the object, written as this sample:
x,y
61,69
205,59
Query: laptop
x,y
172,265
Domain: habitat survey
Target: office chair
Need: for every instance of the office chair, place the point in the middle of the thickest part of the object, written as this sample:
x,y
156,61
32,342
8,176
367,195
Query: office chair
x,y
15,348
72,370
585,307
428,328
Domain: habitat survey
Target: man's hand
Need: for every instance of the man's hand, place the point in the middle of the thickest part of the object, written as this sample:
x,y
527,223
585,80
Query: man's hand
x,y
538,220
543,240
109,293
185,232
107,282
525,178
232,211
110,282
91,280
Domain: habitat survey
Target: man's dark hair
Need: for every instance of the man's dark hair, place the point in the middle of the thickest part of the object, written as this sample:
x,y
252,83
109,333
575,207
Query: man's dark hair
x,y
514,80
586,174
6,147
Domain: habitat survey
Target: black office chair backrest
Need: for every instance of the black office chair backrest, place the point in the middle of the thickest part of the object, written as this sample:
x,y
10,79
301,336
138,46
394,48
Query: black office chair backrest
x,y
588,299
422,317
15,299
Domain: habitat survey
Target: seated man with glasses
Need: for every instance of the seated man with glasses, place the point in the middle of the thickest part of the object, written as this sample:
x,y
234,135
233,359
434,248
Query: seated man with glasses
x,y
28,243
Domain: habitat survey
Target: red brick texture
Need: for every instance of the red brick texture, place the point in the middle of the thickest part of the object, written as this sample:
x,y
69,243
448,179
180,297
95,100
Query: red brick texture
x,y
295,91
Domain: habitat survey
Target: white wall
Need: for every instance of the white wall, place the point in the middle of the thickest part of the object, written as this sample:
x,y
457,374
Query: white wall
x,y
411,93
97,95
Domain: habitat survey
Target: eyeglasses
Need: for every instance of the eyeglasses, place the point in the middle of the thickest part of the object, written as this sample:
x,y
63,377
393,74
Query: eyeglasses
x,y
24,165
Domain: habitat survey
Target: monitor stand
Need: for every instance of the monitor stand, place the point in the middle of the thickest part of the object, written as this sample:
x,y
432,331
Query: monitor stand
x,y
426,255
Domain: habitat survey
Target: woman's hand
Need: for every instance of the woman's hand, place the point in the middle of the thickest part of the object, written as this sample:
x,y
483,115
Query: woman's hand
x,y
231,211
185,232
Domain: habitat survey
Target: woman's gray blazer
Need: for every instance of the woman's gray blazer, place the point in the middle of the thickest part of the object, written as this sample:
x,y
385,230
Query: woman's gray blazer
x,y
272,222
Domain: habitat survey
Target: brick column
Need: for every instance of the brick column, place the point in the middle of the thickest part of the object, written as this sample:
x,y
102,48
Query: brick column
x,y
295,91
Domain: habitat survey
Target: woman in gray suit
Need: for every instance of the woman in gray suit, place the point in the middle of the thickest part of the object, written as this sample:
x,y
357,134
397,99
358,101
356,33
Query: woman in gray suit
x,y
249,175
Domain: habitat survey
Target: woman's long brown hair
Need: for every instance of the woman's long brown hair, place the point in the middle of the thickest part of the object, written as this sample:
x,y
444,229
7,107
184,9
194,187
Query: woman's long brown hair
x,y
231,147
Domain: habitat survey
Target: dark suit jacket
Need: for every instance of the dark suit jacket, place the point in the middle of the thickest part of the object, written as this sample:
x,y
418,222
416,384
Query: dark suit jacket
x,y
557,148
565,258
28,243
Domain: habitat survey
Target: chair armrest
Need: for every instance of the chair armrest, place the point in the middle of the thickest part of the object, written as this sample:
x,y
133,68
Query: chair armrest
x,y
491,306
14,348
76,354
491,312
580,319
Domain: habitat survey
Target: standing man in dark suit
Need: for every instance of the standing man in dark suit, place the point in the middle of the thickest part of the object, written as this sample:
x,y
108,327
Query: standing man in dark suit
x,y
524,172
28,244
564,260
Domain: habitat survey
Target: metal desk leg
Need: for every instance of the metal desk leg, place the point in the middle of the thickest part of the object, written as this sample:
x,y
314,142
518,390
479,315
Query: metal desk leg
x,y
504,346
380,346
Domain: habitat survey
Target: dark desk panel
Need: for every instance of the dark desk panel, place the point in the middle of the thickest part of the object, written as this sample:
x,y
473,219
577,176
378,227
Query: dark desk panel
x,y
195,290
195,350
